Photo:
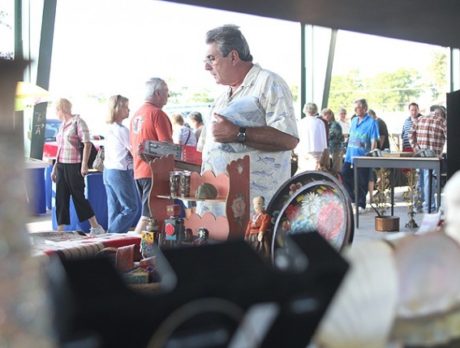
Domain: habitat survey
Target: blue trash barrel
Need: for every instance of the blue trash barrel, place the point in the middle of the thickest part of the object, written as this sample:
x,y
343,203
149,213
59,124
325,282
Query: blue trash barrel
x,y
35,185
48,187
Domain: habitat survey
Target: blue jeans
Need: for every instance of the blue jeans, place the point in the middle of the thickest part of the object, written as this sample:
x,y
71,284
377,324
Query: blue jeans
x,y
122,200
425,190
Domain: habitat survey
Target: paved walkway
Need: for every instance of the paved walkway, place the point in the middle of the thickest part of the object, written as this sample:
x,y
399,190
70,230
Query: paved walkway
x,y
40,223
366,229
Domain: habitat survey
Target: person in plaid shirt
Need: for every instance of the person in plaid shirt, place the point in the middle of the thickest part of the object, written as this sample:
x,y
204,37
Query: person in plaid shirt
x,y
70,169
429,133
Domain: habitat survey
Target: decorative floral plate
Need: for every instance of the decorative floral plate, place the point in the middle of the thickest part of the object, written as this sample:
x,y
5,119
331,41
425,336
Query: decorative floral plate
x,y
312,201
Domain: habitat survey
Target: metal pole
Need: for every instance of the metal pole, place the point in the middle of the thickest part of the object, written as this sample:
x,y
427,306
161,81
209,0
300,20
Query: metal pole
x,y
18,55
18,50
303,79
330,63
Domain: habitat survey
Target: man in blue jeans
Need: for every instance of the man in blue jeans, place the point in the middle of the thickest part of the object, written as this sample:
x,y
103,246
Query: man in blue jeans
x,y
364,133
429,133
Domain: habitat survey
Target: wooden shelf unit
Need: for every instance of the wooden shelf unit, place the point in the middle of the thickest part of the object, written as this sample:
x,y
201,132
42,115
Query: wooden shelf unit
x,y
232,189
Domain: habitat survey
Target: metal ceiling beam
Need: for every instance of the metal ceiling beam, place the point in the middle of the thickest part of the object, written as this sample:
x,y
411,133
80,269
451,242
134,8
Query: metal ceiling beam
x,y
429,21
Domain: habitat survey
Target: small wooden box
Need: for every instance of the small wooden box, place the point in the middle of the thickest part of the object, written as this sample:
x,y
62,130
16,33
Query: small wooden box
x,y
387,223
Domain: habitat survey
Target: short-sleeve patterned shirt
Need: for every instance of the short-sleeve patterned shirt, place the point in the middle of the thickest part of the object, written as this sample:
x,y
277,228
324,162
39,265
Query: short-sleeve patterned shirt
x,y
263,99
71,133
361,136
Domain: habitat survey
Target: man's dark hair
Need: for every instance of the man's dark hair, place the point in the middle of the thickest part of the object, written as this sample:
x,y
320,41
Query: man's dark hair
x,y
363,102
228,38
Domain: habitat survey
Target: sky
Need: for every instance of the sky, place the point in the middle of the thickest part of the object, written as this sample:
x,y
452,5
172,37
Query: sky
x,y
371,54
108,47
167,39
153,38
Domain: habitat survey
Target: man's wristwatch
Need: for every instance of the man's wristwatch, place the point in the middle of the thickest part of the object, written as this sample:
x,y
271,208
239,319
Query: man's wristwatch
x,y
241,136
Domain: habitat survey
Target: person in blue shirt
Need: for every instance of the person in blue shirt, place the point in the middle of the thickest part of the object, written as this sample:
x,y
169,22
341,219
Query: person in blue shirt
x,y
364,133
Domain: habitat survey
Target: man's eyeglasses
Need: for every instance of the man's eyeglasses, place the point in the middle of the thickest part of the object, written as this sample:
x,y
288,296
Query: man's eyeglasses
x,y
209,60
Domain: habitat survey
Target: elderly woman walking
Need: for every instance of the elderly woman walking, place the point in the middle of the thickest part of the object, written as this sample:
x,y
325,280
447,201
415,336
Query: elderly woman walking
x,y
71,168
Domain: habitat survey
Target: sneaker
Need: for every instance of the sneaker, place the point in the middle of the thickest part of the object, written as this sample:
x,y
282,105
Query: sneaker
x,y
94,231
361,210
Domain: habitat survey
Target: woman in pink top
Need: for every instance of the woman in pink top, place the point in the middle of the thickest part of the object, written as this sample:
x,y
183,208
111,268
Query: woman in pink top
x,y
70,168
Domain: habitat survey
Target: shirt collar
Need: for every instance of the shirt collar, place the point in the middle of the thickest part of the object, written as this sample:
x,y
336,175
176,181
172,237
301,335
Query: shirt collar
x,y
366,116
248,81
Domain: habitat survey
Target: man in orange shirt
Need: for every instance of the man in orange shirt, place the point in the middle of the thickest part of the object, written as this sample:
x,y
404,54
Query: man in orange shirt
x,y
149,123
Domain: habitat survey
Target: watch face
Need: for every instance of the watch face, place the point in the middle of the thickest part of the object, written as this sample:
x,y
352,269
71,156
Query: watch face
x,y
241,136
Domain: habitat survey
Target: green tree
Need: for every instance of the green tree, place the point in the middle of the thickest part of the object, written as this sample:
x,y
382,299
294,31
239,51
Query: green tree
x,y
295,92
438,74
202,96
344,89
392,91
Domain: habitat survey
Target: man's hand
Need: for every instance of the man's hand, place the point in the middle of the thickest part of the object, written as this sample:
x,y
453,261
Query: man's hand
x,y
223,130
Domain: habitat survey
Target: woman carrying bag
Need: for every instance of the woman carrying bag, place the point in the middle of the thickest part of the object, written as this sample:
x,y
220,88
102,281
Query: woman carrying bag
x,y
71,168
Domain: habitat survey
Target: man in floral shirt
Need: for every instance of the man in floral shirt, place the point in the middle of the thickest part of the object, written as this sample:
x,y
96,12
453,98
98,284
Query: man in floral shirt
x,y
254,116
364,134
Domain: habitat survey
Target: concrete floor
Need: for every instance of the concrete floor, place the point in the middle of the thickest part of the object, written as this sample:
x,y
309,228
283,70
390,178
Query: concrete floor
x,y
366,230
41,223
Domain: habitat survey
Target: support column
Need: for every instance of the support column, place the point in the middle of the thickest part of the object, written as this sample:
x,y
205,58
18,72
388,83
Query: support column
x,y
330,64
43,77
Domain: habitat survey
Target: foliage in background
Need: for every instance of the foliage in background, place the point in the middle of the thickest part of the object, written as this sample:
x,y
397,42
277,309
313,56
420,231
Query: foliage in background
x,y
390,90
438,73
